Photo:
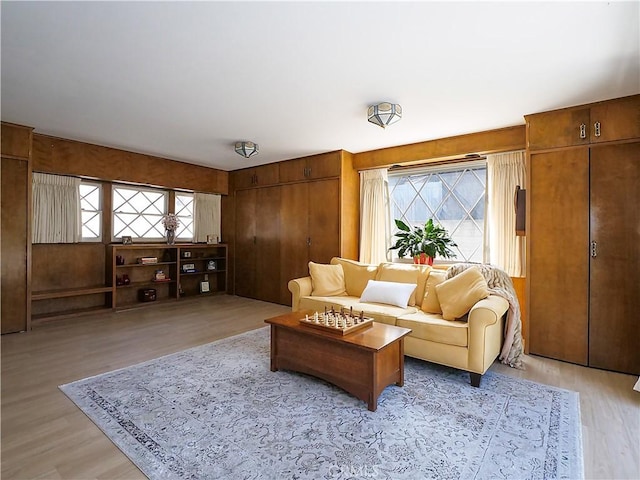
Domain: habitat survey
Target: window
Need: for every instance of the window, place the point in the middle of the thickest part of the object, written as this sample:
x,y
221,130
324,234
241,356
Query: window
x,y
184,211
91,211
453,196
137,212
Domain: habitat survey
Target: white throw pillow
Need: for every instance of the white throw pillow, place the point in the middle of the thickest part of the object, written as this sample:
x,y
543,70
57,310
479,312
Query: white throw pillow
x,y
392,293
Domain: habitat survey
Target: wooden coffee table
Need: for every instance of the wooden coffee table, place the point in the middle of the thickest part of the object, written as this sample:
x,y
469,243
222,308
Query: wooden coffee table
x,y
363,362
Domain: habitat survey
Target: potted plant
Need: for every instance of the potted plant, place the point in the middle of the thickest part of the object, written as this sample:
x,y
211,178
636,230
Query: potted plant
x,y
423,243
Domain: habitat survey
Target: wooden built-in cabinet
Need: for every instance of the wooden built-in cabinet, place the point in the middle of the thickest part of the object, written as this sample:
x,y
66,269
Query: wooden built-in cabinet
x,y
310,229
184,266
256,176
257,249
310,215
612,120
311,168
583,241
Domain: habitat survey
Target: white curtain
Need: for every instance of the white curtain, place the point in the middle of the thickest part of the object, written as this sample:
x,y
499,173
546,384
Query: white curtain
x,y
206,216
374,216
506,250
56,209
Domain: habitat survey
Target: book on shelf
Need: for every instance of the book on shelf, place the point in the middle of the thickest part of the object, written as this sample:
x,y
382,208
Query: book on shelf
x,y
147,260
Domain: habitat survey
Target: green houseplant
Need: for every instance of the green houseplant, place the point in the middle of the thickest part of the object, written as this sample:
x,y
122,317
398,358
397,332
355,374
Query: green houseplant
x,y
423,243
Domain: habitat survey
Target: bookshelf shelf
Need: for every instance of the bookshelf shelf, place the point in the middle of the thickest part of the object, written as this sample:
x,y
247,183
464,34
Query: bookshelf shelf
x,y
122,262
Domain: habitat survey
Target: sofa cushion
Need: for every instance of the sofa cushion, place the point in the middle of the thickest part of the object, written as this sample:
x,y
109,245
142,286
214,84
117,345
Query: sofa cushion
x,y
380,313
356,275
392,293
405,273
458,294
430,303
318,304
432,327
326,280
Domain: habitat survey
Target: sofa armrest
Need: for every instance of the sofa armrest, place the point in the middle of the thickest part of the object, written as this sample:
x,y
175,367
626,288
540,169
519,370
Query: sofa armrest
x,y
299,287
486,332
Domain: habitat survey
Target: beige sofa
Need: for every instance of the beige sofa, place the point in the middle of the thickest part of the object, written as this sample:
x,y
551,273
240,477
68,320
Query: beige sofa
x,y
471,342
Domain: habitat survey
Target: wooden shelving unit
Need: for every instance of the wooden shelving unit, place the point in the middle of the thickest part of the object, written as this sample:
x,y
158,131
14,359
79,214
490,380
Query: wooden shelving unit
x,y
128,277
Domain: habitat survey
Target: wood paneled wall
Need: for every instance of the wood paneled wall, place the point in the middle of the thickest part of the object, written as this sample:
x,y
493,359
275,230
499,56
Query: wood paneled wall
x,y
349,208
491,141
69,157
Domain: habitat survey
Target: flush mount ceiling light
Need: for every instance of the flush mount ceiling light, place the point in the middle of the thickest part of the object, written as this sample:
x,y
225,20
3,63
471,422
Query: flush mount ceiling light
x,y
384,113
246,149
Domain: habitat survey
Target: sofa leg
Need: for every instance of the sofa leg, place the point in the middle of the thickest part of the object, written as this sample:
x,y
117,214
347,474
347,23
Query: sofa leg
x,y
475,379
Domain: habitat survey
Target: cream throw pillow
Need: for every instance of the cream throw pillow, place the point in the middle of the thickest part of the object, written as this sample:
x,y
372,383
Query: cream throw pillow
x,y
391,293
356,274
326,280
458,294
430,302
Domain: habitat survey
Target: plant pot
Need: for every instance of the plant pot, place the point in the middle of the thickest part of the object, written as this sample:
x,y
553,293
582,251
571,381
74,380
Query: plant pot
x,y
423,259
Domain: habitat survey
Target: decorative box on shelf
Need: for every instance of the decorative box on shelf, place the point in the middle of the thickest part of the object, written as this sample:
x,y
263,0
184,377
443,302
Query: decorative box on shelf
x,y
147,294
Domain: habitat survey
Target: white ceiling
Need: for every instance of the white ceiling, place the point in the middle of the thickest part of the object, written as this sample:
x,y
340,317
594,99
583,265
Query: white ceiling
x,y
187,80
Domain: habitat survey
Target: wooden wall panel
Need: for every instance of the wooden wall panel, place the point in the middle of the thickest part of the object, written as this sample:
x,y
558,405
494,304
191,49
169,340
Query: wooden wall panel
x,y
67,265
349,209
15,140
56,155
14,176
491,141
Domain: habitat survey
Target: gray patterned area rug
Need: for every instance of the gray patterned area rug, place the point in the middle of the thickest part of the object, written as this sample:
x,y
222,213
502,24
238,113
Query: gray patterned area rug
x,y
217,411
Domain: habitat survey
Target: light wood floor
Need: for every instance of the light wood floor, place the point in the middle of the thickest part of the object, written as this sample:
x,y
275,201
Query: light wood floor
x,y
45,436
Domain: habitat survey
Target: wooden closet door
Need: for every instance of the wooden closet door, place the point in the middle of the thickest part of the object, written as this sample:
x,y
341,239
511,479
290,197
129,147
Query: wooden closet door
x,y
614,333
324,220
559,255
294,250
245,255
267,246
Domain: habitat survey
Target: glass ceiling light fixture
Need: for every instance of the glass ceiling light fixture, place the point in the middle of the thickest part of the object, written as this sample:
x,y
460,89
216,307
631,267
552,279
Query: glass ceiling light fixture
x,y
384,114
246,149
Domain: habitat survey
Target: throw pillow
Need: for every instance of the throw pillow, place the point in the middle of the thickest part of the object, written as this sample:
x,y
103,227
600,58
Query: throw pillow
x,y
405,273
430,302
326,280
356,274
458,294
391,293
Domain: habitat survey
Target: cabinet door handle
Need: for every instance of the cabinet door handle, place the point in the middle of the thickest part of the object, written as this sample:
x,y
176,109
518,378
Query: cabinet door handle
x,y
255,239
596,127
594,249
583,131
308,241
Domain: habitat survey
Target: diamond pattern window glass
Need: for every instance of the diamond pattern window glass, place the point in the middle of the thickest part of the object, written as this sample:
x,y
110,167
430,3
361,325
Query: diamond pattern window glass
x,y
137,212
453,196
184,211
91,211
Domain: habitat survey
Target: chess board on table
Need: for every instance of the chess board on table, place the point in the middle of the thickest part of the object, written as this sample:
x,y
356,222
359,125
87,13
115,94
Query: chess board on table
x,y
341,322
